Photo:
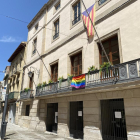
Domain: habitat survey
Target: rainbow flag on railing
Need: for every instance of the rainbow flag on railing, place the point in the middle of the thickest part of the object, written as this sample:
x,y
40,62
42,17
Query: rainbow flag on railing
x,y
78,81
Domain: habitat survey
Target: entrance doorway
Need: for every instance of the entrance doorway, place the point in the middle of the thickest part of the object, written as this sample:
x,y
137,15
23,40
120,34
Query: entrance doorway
x,y
52,117
76,119
12,112
113,120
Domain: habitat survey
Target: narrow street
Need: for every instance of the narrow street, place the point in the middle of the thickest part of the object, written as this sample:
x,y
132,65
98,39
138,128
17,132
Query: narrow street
x,y
15,132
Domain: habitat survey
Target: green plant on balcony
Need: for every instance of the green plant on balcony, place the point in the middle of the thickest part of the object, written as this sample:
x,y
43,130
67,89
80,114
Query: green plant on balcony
x,y
60,79
69,78
50,81
105,66
44,84
39,85
26,89
90,69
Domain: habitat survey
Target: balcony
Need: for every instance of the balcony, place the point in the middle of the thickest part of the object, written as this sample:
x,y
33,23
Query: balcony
x,y
117,74
17,71
125,72
24,95
53,88
13,95
13,74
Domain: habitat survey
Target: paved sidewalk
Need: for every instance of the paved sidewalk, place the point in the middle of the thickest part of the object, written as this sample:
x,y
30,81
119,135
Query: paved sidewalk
x,y
15,132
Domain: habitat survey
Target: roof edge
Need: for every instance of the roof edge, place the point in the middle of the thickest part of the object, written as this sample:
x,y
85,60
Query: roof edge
x,y
19,48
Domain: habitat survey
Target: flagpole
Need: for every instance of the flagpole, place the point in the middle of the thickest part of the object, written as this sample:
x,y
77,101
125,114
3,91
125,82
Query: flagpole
x,y
97,34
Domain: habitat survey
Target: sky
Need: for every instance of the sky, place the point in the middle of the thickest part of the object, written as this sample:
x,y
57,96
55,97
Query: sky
x,y
13,32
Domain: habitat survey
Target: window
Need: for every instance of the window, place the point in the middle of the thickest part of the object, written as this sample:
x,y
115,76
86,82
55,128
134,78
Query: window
x,y
112,50
31,82
101,2
57,6
56,29
20,62
34,46
27,110
76,64
76,12
54,72
36,27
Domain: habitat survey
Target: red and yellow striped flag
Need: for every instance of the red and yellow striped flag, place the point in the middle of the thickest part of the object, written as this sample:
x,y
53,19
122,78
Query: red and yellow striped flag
x,y
86,19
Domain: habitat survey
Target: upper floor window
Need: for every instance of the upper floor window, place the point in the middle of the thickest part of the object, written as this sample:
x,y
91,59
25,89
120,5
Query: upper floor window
x,y
101,2
20,62
76,12
54,72
57,6
76,64
56,29
36,27
112,49
34,46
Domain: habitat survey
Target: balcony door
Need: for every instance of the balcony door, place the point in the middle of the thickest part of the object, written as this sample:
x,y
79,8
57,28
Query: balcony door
x,y
54,72
76,64
31,82
112,49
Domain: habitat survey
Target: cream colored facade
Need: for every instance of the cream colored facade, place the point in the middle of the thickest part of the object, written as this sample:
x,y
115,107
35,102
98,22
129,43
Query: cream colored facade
x,y
15,79
115,17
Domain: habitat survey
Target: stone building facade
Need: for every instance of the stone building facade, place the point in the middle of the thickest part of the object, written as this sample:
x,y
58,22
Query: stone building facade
x,y
15,81
108,107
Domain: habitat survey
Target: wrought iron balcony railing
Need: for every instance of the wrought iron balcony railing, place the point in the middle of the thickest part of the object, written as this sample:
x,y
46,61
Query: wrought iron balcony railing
x,y
27,94
13,95
120,73
124,72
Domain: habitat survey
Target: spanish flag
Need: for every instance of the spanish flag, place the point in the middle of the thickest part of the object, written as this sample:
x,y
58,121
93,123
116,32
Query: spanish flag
x,y
86,19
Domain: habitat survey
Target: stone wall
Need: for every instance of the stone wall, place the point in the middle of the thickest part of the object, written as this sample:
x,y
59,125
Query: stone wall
x,y
91,113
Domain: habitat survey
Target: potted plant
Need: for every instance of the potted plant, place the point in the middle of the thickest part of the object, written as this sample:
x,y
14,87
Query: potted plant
x,y
105,66
69,78
44,84
50,81
60,80
39,85
26,89
90,69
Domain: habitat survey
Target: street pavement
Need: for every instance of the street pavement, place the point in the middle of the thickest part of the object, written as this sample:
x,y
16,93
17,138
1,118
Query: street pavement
x,y
15,132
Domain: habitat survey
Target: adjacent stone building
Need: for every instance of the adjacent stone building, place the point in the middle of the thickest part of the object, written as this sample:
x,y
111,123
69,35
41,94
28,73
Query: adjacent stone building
x,y
15,81
108,106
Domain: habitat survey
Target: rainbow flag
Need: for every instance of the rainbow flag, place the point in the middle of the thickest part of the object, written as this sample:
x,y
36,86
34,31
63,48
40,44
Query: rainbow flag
x,y
78,81
86,19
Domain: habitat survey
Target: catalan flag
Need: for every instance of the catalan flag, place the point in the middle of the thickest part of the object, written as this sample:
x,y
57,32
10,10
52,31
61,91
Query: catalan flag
x,y
86,19
78,81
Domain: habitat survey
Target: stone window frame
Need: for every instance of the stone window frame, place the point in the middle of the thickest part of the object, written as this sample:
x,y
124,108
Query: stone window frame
x,y
69,59
71,14
109,35
50,67
33,47
53,31
54,11
36,25
100,6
